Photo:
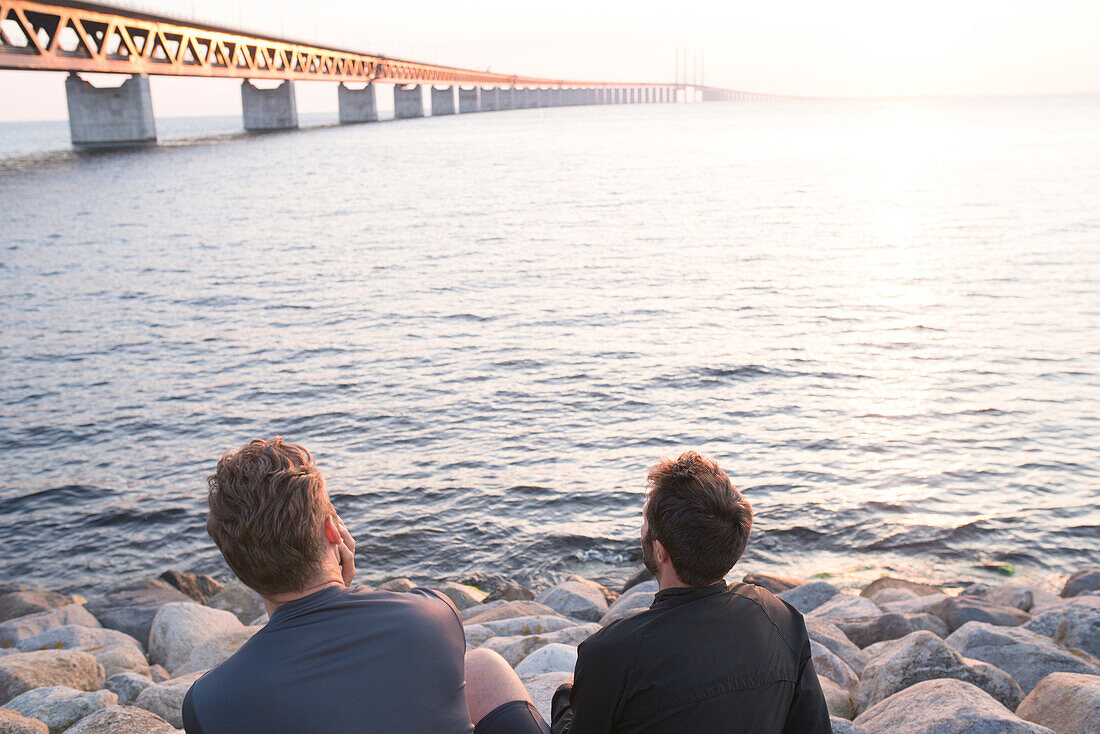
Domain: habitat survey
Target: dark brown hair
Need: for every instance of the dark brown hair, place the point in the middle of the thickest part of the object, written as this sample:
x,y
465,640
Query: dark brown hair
x,y
267,506
699,517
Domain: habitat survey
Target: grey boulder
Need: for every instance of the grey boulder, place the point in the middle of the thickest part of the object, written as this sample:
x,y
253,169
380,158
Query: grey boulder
x,y
957,612
199,587
1025,655
16,630
127,686
553,658
1085,580
116,651
510,592
514,649
809,597
24,671
575,599
1068,703
831,636
774,584
505,610
829,665
943,706
846,606
541,688
242,601
181,627
461,595
13,722
21,603
843,726
869,630
890,583
166,699
637,599
1074,623
122,720
59,707
131,609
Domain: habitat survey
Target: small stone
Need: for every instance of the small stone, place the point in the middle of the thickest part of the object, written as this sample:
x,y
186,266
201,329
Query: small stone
x,y
116,651
400,585
127,686
242,601
829,665
775,584
640,576
13,722
1087,579
131,608
166,699
21,672
845,606
510,592
873,589
832,637
552,658
181,627
476,634
122,720
959,611
809,597
837,699
638,599
199,587
59,707
215,650
515,649
22,603
943,706
463,596
576,600
1026,656
16,630
1068,703
541,688
508,610
869,630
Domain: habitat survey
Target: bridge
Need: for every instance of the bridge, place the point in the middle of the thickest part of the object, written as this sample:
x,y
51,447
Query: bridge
x,y
94,38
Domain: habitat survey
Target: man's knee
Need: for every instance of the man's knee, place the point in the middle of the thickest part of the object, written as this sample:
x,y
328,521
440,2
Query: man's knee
x,y
490,682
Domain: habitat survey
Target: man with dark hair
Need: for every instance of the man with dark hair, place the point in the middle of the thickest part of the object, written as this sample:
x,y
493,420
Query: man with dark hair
x,y
334,657
706,656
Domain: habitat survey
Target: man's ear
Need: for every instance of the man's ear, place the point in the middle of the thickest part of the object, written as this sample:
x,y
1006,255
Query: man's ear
x,y
660,552
332,533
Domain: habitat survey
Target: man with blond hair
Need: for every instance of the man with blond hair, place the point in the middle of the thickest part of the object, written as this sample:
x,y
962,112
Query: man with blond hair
x,y
335,657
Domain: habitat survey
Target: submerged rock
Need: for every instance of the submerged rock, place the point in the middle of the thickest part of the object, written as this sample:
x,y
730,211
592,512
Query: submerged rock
x,y
575,599
1068,703
1085,580
59,707
122,720
16,630
23,671
809,597
943,706
1026,656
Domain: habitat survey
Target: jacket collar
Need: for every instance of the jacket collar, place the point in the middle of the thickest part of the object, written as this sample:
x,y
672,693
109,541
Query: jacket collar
x,y
667,598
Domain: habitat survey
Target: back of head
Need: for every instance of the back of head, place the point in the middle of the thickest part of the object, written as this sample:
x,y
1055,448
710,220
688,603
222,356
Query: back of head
x,y
267,507
698,516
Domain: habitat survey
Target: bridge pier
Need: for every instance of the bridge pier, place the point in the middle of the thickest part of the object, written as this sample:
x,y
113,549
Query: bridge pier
x,y
269,109
357,105
443,101
105,117
408,101
490,99
506,100
468,100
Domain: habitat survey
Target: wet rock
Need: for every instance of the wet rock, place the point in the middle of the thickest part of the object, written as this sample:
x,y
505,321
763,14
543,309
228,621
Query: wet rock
x,y
943,706
845,606
122,720
12,722
1074,623
809,597
640,576
843,726
215,650
21,672
541,689
16,630
116,651
1085,580
166,699
515,649
957,612
775,584
199,587
638,599
127,686
463,596
923,656
869,630
837,699
131,608
576,600
828,634
400,585
829,665
1025,655
510,592
21,603
553,658
509,610
476,634
241,601
59,707
1067,703
889,583
180,627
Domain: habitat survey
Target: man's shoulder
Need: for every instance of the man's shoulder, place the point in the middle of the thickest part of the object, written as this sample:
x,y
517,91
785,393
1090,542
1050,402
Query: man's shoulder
x,y
784,618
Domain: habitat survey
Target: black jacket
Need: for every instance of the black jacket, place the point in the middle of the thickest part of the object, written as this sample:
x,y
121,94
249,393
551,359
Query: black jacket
x,y
706,660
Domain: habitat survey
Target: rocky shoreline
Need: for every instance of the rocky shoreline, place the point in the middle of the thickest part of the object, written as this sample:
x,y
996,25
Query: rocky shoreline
x,y
896,656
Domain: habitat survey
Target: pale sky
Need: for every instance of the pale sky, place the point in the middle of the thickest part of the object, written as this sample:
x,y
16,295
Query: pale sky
x,y
836,48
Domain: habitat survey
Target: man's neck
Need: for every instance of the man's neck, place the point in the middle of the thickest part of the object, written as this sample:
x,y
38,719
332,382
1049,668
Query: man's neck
x,y
273,602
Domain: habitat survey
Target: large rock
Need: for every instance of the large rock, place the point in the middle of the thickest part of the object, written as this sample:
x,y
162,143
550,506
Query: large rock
x,y
510,592
1085,580
575,599
116,651
869,630
889,583
16,630
905,604
829,665
122,720
199,587
127,686
637,599
507,610
775,584
832,637
640,576
957,612
462,595
21,603
1067,703
843,726
837,699
1021,596
215,650
845,606
1075,624
166,699
476,634
242,601
180,627
541,688
399,585
1025,655
515,649
21,672
923,656
12,722
553,658
943,706
59,707
809,597
131,609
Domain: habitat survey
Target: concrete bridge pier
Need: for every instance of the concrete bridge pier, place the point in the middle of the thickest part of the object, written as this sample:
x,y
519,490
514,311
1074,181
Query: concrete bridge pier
x,y
357,105
408,101
106,117
443,101
468,100
490,99
269,109
506,100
